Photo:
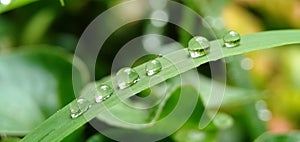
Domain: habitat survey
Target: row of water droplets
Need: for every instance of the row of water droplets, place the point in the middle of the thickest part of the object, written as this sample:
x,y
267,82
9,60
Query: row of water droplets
x,y
126,77
200,46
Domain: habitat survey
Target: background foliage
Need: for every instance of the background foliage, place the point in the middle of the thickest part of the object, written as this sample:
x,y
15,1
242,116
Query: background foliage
x,y
38,38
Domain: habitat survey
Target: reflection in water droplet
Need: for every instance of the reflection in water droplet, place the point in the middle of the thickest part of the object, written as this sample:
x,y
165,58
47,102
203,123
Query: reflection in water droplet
x,y
126,77
104,92
153,67
232,39
79,107
198,46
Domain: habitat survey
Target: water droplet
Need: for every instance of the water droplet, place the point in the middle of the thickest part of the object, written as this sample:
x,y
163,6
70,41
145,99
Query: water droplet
x,y
232,39
153,67
198,46
104,92
79,107
127,77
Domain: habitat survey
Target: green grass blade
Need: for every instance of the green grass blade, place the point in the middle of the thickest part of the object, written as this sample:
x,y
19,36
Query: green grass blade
x,y
292,136
60,124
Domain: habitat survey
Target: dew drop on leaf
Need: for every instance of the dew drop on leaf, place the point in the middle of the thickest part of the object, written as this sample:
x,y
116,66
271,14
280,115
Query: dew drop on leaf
x,y
126,77
198,46
232,39
103,92
153,67
79,107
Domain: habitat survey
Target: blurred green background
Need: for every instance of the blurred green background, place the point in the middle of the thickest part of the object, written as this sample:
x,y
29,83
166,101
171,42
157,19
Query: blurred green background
x,y
38,40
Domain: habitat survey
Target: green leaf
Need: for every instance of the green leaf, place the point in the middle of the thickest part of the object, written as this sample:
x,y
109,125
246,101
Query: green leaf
x,y
288,137
130,113
10,139
34,85
96,138
62,2
6,35
195,135
60,125
169,117
233,96
38,26
77,136
13,4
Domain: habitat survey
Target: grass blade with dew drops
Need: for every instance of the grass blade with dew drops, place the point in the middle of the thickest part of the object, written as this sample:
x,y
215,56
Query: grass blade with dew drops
x,y
60,124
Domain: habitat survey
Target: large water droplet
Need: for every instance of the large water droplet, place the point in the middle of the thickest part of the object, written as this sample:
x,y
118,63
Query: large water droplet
x,y
126,77
232,39
153,67
104,92
79,107
198,46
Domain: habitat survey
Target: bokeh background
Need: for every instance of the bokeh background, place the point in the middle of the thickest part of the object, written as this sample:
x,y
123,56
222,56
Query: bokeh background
x,y
38,40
